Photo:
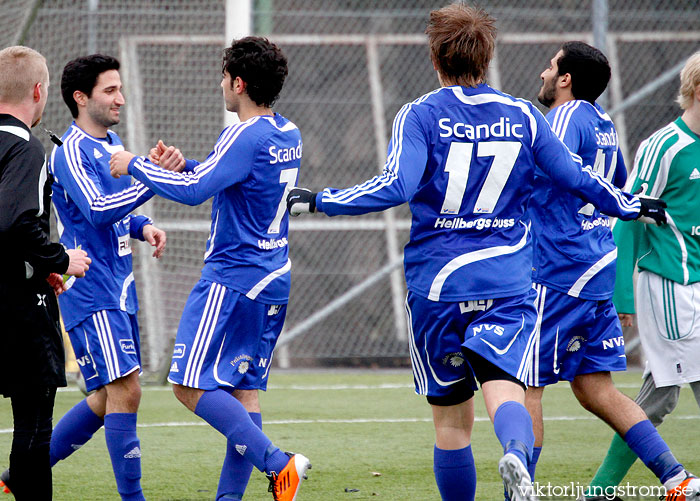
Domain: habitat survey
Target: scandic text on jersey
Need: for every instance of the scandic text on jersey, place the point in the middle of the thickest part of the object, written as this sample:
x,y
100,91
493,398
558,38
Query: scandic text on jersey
x,y
501,128
285,154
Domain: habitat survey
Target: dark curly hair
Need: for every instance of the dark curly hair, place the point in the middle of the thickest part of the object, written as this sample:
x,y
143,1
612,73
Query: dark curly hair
x,y
260,64
82,74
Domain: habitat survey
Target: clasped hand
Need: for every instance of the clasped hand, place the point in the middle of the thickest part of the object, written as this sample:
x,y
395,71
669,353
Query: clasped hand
x,y
167,157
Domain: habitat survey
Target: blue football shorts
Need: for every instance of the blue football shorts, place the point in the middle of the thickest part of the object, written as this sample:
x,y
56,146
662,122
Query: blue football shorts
x,y
106,347
499,330
574,336
225,340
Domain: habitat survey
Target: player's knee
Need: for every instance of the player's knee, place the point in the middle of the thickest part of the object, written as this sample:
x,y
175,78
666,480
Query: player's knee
x,y
248,398
130,401
187,396
135,395
586,396
131,384
587,401
596,398
593,388
125,393
180,392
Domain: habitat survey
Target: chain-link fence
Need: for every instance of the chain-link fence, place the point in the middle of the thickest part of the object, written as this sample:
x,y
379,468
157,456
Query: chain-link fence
x,y
352,65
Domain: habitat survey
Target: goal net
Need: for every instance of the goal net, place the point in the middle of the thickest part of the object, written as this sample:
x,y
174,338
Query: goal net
x,y
352,65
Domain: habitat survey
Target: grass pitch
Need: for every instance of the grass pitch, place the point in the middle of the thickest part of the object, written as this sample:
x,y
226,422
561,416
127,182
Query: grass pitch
x,y
369,437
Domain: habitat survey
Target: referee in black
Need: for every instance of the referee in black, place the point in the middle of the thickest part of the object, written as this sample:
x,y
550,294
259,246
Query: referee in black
x,y
32,365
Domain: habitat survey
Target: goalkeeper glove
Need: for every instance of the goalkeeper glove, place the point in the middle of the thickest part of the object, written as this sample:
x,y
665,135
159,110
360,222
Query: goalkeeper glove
x,y
652,210
301,201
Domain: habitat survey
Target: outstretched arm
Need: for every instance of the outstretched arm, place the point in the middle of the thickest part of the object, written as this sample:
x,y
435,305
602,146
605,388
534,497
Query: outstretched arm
x,y
78,176
229,163
553,157
404,167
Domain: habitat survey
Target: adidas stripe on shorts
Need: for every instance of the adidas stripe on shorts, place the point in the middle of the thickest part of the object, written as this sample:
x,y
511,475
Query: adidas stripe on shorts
x,y
106,347
574,336
500,330
225,340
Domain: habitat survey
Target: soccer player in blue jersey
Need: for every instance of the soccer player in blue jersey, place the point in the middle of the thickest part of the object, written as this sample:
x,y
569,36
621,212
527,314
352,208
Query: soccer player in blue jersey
x,y
464,158
93,212
578,337
235,313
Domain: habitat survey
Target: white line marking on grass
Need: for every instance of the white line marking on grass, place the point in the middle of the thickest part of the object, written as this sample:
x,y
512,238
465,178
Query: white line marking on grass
x,y
327,387
477,419
300,387
395,386
334,387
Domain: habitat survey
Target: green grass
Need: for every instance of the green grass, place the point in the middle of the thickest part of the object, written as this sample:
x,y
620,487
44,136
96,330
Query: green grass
x,y
392,436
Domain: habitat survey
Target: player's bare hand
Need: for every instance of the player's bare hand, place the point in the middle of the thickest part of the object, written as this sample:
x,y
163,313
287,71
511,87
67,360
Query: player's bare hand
x,y
119,163
79,262
626,319
156,237
56,282
154,154
172,159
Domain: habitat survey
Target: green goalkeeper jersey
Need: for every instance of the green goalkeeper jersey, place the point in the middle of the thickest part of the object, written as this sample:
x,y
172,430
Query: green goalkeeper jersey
x,y
667,165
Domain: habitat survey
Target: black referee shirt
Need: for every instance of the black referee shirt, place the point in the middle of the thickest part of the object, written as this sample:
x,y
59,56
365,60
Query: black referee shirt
x,y
30,335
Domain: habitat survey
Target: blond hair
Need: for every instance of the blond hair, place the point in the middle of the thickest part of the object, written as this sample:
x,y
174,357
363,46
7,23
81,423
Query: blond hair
x,y
690,79
21,68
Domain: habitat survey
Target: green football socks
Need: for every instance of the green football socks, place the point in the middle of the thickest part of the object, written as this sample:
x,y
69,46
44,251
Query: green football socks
x,y
615,466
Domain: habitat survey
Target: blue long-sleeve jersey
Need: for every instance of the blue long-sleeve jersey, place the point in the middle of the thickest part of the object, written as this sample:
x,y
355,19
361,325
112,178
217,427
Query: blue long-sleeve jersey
x,y
93,213
574,251
253,166
464,159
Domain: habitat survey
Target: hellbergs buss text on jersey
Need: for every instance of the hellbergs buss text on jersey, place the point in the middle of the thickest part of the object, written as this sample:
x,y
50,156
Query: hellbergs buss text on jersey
x,y
478,224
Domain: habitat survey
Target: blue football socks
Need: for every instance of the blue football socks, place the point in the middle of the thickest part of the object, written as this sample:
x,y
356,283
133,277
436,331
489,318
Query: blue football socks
x,y
227,415
532,466
646,443
125,452
455,474
74,429
236,470
513,427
